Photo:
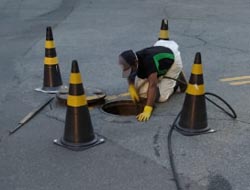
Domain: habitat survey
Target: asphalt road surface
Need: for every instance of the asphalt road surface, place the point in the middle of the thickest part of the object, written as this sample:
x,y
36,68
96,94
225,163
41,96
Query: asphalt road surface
x,y
135,154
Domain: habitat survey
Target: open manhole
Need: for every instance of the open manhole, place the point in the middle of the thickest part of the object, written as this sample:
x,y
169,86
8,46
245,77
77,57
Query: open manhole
x,y
123,108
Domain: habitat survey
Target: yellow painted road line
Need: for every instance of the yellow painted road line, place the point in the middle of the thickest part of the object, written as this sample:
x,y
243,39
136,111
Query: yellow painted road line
x,y
112,97
240,83
235,78
123,94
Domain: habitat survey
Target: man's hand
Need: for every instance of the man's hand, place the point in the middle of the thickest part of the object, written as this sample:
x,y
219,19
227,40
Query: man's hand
x,y
145,115
133,93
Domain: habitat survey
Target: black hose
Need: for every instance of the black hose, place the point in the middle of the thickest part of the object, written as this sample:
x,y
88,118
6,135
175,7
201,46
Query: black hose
x,y
233,115
177,80
170,151
171,155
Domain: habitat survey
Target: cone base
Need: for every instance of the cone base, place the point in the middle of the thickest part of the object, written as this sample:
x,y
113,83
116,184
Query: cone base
x,y
193,132
52,90
79,146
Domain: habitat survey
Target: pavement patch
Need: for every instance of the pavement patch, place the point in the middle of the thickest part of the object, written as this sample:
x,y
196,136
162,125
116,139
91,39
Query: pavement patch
x,y
218,182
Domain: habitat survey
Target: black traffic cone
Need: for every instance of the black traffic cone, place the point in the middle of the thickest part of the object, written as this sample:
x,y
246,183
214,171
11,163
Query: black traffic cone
x,y
164,34
193,118
52,81
78,132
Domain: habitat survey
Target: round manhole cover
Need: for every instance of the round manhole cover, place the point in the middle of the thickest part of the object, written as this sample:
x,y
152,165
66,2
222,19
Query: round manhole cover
x,y
123,108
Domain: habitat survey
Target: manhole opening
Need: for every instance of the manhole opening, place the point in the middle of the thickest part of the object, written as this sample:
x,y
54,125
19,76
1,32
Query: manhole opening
x,y
123,108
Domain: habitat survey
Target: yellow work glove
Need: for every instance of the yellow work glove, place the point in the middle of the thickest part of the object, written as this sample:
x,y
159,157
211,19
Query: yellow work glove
x,y
133,93
145,115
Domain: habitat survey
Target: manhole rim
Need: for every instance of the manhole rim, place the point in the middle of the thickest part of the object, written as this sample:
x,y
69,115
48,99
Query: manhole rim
x,y
115,101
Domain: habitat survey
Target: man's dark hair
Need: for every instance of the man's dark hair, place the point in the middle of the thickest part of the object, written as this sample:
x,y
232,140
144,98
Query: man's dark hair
x,y
129,56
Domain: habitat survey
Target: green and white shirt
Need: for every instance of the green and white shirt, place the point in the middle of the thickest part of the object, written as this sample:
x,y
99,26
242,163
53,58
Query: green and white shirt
x,y
154,59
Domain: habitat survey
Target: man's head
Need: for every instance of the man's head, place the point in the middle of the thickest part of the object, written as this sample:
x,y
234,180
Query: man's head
x,y
128,62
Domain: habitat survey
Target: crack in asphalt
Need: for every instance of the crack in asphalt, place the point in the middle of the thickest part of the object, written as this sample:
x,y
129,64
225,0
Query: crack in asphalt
x,y
243,122
55,118
205,42
199,36
156,145
229,48
55,18
3,138
222,119
66,8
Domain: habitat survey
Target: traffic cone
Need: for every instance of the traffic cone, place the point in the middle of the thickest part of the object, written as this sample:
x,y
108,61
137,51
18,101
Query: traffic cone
x,y
52,81
193,118
164,34
78,132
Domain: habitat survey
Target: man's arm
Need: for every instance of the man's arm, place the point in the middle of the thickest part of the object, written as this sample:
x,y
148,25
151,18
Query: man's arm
x,y
152,89
130,81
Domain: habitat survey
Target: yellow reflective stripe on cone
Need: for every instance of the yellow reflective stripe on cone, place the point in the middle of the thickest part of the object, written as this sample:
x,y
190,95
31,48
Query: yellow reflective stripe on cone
x,y
194,89
75,78
197,69
50,60
49,44
76,101
164,34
